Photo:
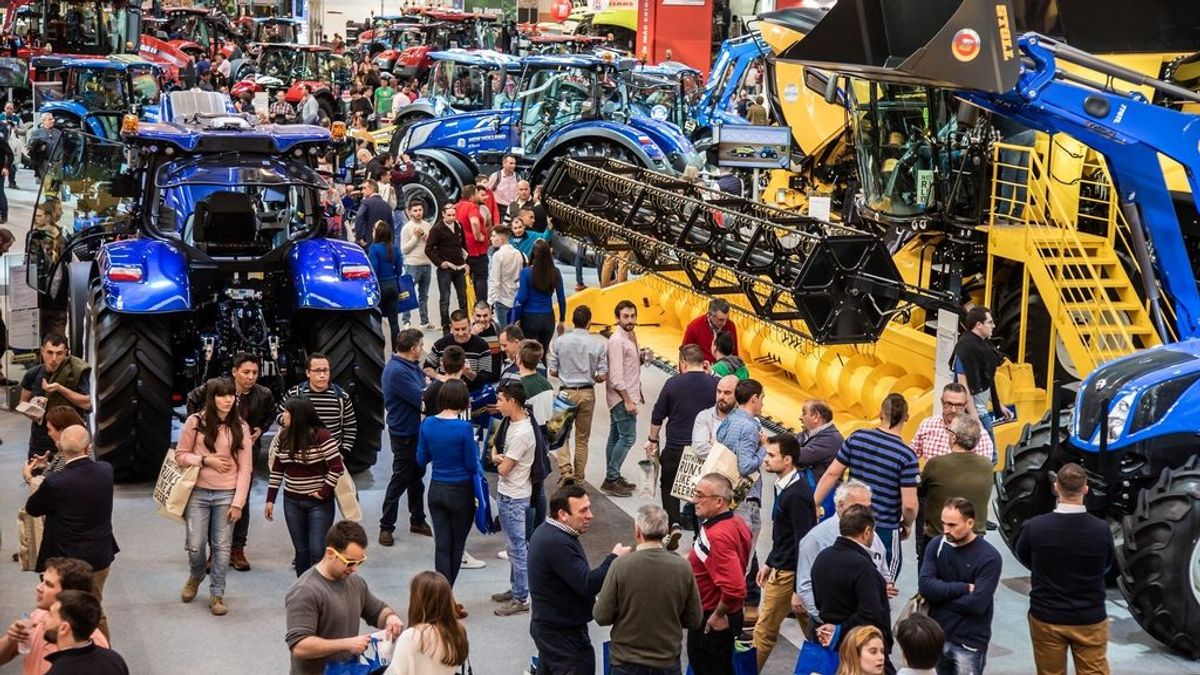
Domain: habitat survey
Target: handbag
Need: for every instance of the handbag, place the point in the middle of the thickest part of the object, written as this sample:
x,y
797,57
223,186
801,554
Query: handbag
x,y
562,420
745,659
368,663
688,475
346,494
817,659
174,487
406,294
483,505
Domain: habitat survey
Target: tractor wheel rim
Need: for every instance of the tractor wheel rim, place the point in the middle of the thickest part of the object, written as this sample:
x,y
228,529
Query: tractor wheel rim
x,y
1195,566
418,191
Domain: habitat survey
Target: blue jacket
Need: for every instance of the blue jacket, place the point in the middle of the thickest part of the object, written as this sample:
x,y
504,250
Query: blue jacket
x,y
384,268
403,386
372,209
945,574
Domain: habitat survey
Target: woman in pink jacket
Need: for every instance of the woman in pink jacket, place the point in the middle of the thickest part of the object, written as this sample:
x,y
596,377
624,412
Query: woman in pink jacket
x,y
218,441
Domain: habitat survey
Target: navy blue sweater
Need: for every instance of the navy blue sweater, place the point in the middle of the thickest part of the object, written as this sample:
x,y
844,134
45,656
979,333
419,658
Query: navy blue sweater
x,y
1069,555
965,617
403,385
681,399
562,586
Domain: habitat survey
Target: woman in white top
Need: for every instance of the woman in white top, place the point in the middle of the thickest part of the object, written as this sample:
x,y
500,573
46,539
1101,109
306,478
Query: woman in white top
x,y
435,642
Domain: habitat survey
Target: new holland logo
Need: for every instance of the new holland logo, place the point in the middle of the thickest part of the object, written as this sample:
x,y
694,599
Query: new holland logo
x,y
966,45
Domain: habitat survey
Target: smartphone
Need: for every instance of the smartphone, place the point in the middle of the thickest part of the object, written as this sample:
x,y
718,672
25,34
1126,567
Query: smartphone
x,y
998,421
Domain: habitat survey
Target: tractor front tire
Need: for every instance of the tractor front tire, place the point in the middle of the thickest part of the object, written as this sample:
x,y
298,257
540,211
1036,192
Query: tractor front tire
x,y
1015,497
132,374
354,343
1160,578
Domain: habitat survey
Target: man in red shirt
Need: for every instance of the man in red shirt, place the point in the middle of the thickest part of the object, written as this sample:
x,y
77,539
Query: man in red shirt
x,y
703,329
477,234
718,558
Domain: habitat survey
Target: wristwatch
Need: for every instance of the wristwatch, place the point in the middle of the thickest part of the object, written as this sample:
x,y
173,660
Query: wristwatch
x,y
652,440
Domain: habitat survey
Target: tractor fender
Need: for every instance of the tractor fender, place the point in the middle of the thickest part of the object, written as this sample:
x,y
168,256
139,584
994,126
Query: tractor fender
x,y
422,106
641,145
462,167
329,274
162,268
71,109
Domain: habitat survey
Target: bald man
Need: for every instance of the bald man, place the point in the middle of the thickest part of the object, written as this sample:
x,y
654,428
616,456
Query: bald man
x,y
77,503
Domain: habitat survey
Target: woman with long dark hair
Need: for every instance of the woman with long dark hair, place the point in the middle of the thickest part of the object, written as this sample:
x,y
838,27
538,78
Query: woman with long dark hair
x,y
218,441
448,442
536,289
435,642
308,464
388,263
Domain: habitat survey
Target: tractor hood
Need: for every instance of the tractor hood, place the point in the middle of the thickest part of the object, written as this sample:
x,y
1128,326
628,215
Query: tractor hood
x,y
1131,399
955,44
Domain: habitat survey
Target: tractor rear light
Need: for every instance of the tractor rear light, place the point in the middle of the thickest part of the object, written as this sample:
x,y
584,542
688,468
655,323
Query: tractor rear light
x,y
338,131
129,124
125,273
356,272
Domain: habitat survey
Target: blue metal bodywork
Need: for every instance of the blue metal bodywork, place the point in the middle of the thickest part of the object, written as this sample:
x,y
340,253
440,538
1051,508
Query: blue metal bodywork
x,y
316,266
164,285
736,56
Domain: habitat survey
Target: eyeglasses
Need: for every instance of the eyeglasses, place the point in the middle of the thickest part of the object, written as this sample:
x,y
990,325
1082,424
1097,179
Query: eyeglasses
x,y
318,370
952,404
701,496
346,561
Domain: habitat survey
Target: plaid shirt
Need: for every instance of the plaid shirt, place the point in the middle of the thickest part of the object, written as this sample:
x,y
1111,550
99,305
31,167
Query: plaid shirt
x,y
282,109
933,439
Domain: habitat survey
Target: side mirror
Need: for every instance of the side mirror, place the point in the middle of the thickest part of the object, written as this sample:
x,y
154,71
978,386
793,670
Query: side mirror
x,y
831,89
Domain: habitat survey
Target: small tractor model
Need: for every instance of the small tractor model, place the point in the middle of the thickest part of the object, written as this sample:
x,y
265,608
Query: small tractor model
x,y
573,105
462,81
193,239
1134,321
291,67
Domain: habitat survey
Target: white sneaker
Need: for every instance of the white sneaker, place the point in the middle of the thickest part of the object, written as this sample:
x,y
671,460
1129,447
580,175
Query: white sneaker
x,y
503,554
430,326
471,563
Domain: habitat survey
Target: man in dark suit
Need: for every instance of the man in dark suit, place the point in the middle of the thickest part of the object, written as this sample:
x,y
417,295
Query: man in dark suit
x,y
372,210
77,503
847,585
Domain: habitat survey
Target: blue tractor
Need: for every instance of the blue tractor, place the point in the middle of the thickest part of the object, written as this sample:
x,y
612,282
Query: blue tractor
x,y
94,94
461,81
1133,426
186,242
576,105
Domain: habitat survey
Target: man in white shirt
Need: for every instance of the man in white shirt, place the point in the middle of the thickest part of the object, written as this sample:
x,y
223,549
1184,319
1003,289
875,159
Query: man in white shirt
x,y
513,456
504,272
413,236
822,537
704,432
310,111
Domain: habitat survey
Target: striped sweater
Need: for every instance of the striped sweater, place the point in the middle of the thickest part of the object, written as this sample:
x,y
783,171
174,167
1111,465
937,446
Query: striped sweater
x,y
336,410
309,470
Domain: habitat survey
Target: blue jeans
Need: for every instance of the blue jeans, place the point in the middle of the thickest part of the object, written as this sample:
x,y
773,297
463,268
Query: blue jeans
x,y
512,521
308,521
206,522
627,669
501,311
960,660
421,275
621,434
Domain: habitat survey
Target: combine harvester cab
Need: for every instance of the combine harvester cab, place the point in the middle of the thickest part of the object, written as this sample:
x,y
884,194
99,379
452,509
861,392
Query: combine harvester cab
x,y
1133,425
192,240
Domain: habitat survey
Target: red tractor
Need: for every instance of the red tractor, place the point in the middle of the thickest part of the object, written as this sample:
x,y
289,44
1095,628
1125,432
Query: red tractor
x,y
289,67
443,29
198,33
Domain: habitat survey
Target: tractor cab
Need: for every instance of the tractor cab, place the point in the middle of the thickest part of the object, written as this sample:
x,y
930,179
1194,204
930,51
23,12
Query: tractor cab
x,y
76,27
667,92
464,81
291,67
378,24
388,46
557,91
557,43
195,31
94,94
276,30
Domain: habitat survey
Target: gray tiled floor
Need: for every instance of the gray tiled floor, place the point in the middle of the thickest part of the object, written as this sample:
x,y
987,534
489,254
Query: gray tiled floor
x,y
158,634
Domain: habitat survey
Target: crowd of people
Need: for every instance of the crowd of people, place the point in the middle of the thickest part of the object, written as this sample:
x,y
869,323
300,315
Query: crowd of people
x,y
840,508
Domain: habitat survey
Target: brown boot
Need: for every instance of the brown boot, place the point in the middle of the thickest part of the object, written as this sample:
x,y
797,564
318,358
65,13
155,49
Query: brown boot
x,y
189,588
216,605
237,560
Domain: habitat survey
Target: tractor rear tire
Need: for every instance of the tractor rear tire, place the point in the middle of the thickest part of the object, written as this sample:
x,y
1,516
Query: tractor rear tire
x,y
1015,497
132,375
1160,579
354,343
429,192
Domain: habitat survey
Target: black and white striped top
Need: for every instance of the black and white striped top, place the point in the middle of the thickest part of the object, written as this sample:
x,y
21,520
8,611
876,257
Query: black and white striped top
x,y
336,410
